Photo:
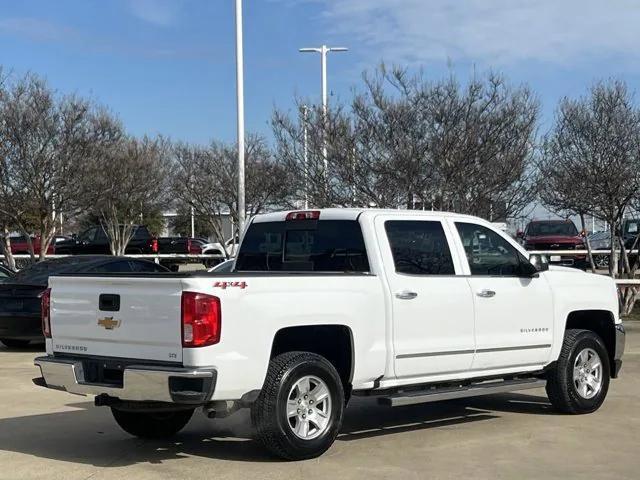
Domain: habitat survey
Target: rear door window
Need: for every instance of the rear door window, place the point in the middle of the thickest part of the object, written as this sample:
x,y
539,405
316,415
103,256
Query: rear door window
x,y
304,245
419,247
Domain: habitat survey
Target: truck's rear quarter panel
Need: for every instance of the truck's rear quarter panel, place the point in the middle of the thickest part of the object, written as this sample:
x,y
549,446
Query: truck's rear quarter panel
x,y
251,317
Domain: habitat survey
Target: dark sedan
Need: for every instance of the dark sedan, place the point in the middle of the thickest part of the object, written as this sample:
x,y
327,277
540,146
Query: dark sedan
x,y
20,293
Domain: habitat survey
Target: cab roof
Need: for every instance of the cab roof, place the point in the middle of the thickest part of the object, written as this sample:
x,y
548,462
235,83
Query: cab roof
x,y
354,213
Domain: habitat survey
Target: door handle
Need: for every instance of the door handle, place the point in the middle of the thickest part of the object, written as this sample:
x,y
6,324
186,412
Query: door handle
x,y
486,293
406,295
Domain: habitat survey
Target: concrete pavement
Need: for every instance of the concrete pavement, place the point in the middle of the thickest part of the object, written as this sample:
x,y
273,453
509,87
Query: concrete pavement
x,y
52,435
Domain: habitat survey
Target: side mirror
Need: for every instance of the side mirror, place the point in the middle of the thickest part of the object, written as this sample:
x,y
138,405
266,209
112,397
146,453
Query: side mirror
x,y
540,262
520,234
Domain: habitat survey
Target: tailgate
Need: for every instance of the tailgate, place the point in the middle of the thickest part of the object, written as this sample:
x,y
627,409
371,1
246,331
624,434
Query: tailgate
x,y
123,317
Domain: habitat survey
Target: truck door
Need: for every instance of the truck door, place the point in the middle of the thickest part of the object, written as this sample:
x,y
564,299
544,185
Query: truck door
x,y
433,326
514,312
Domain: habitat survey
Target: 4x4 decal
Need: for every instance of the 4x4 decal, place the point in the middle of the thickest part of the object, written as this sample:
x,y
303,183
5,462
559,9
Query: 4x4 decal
x,y
225,285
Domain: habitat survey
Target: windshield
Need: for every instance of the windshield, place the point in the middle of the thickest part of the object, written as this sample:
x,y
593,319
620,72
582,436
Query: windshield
x,y
542,229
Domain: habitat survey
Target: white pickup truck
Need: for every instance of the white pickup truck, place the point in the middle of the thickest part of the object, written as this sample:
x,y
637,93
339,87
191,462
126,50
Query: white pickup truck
x,y
405,306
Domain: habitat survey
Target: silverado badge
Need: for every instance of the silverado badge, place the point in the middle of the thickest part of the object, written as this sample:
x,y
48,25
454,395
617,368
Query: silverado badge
x,y
109,323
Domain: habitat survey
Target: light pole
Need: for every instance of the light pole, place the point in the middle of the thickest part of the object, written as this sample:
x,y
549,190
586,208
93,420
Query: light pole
x,y
240,103
305,153
193,223
323,50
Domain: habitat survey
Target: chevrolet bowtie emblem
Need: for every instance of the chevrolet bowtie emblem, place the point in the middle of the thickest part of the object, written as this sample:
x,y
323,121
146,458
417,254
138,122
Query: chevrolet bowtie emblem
x,y
109,323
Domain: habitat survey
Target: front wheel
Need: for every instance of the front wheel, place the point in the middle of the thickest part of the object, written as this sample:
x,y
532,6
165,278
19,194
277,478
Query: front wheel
x,y
298,413
580,380
152,424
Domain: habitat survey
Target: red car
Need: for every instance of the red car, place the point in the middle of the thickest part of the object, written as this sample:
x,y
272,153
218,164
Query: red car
x,y
555,235
19,246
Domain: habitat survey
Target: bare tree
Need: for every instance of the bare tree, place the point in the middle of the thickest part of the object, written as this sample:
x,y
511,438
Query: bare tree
x,y
482,142
596,141
206,178
407,142
563,191
44,141
128,180
596,144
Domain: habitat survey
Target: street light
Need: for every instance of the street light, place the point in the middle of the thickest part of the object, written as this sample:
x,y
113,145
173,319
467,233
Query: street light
x,y
240,107
323,50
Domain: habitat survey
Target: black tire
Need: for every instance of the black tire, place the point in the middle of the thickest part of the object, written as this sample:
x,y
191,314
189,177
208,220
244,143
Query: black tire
x,y
269,415
152,424
561,388
13,343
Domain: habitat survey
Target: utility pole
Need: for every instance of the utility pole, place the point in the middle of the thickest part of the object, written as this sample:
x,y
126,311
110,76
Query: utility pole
x,y
193,223
240,103
305,154
323,50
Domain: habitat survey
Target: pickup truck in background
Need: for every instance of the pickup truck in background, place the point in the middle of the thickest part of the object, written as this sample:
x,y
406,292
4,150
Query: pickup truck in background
x,y
403,306
95,241
556,235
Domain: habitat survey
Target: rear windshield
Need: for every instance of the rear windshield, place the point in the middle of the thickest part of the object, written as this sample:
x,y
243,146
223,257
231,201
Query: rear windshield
x,y
540,229
303,246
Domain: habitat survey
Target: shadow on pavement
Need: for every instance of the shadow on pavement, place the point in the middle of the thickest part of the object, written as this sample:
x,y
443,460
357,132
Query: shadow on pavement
x,y
89,435
31,348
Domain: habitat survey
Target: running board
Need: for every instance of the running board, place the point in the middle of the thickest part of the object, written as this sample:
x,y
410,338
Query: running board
x,y
474,390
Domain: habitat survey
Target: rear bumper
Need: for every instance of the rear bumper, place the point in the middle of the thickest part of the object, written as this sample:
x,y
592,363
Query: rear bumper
x,y
23,327
140,383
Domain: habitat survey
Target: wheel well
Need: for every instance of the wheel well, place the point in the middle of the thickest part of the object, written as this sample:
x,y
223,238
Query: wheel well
x,y
333,342
600,322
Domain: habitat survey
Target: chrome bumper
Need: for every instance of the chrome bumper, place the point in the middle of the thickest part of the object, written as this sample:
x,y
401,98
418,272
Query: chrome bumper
x,y
140,383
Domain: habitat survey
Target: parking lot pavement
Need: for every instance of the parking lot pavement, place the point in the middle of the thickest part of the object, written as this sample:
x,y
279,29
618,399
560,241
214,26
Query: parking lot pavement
x,y
53,435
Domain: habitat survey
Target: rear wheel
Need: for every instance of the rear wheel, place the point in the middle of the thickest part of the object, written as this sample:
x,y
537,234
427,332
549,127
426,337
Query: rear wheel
x,y
152,424
580,380
298,413
13,343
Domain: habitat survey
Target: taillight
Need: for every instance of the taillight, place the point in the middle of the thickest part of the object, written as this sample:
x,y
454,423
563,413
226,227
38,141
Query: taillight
x,y
304,215
154,245
193,248
45,312
201,319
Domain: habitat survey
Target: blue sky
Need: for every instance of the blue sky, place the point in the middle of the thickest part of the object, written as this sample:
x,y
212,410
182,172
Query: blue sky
x,y
168,66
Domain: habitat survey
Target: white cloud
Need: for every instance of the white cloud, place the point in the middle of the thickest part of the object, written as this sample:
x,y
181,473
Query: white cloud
x,y
36,29
157,12
487,31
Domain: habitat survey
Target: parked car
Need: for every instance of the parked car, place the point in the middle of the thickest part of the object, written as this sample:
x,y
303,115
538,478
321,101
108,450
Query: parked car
x,y
403,306
224,267
600,241
5,272
555,235
215,248
630,231
20,293
181,245
20,246
95,241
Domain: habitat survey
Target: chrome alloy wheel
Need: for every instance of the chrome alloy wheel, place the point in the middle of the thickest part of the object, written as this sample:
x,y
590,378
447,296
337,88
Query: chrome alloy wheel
x,y
587,373
309,407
